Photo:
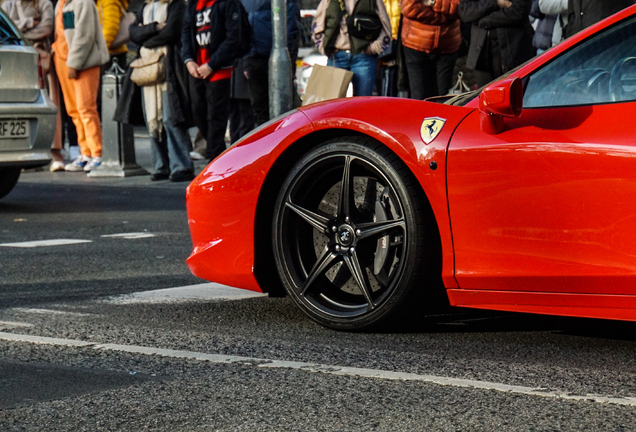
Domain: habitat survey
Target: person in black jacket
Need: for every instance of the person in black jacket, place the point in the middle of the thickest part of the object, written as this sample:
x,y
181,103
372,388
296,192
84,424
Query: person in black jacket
x,y
583,13
257,60
210,41
500,37
157,28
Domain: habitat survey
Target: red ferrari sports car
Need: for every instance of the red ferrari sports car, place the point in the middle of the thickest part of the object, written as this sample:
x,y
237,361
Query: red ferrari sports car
x,y
520,196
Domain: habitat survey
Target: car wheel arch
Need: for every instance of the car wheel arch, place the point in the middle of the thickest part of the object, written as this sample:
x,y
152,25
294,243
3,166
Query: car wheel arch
x,y
264,267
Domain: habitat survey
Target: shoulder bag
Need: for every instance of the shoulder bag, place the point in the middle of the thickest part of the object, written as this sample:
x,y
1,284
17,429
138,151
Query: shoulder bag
x,y
149,70
362,26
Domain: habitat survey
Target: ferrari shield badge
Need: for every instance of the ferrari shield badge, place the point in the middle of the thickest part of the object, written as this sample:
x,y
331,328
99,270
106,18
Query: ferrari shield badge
x,y
431,127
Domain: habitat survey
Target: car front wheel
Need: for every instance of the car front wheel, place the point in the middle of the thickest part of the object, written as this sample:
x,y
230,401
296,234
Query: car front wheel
x,y
352,235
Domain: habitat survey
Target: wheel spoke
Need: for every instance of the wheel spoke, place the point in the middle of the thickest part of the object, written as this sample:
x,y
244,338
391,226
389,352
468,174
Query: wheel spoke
x,y
319,267
346,194
370,195
373,228
314,219
358,274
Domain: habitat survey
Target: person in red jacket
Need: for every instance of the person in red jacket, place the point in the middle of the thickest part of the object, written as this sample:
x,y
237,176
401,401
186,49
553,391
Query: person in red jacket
x,y
431,37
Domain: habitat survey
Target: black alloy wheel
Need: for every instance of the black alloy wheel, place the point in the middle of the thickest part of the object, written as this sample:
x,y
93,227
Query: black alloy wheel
x,y
348,230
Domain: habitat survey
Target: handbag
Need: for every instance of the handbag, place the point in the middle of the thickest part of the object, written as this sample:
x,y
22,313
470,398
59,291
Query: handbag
x,y
123,35
149,70
362,26
460,86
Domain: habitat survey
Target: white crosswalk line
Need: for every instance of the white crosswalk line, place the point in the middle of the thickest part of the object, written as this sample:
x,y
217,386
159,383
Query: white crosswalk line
x,y
200,292
137,235
43,243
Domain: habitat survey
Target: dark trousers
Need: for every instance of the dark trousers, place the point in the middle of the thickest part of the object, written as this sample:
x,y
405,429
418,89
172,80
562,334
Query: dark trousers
x,y
241,118
211,107
257,68
430,74
490,63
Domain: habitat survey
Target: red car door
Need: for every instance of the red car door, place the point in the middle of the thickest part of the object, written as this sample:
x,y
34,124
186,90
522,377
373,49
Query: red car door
x,y
549,204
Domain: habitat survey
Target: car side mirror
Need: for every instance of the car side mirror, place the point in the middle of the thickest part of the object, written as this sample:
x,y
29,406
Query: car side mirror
x,y
499,100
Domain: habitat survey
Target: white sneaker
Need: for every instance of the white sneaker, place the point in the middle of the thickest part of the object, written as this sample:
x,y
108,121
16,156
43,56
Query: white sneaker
x,y
93,163
196,155
56,166
78,164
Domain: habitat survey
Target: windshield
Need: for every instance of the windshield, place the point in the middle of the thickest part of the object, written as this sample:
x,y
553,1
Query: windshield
x,y
9,34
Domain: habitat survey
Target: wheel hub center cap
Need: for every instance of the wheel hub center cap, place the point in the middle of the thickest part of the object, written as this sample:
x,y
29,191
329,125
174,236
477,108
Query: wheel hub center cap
x,y
345,235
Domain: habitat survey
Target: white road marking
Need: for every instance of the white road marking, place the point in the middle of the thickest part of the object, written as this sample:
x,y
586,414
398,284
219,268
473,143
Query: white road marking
x,y
40,243
321,368
6,325
137,235
200,292
50,312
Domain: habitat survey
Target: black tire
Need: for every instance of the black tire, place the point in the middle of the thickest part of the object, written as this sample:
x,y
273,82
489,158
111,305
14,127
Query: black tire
x,y
355,260
8,179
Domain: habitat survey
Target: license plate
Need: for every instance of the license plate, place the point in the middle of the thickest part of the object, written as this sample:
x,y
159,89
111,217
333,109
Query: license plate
x,y
14,128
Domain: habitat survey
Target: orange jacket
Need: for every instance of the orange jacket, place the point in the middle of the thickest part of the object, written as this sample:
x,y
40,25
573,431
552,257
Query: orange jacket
x,y
429,29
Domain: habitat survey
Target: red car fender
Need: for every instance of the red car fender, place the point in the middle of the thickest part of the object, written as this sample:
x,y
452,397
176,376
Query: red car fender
x,y
221,203
398,124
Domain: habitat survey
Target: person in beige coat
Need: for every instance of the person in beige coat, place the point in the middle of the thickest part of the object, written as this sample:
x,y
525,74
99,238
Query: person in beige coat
x,y
34,18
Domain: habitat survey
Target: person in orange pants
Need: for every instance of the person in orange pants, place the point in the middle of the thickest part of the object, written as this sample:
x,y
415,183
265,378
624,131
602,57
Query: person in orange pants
x,y
79,51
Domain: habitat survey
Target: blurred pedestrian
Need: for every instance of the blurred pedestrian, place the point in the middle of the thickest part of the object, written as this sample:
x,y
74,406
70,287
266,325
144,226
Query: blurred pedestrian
x,y
242,118
543,27
257,60
212,39
389,60
358,54
34,18
583,13
559,9
166,103
500,37
110,15
431,36
79,51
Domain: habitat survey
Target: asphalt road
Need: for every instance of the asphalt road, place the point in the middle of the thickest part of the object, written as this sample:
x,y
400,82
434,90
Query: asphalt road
x,y
88,343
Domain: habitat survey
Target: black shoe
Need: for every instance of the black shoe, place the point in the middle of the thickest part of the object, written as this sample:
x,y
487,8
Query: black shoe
x,y
158,176
181,176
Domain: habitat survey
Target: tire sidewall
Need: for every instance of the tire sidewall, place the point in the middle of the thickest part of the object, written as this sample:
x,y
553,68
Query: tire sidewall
x,y
404,280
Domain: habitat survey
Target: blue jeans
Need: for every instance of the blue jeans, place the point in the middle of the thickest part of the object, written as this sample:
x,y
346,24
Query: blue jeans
x,y
363,66
172,153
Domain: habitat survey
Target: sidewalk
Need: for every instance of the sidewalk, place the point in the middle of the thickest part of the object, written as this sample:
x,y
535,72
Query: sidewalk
x,y
143,158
